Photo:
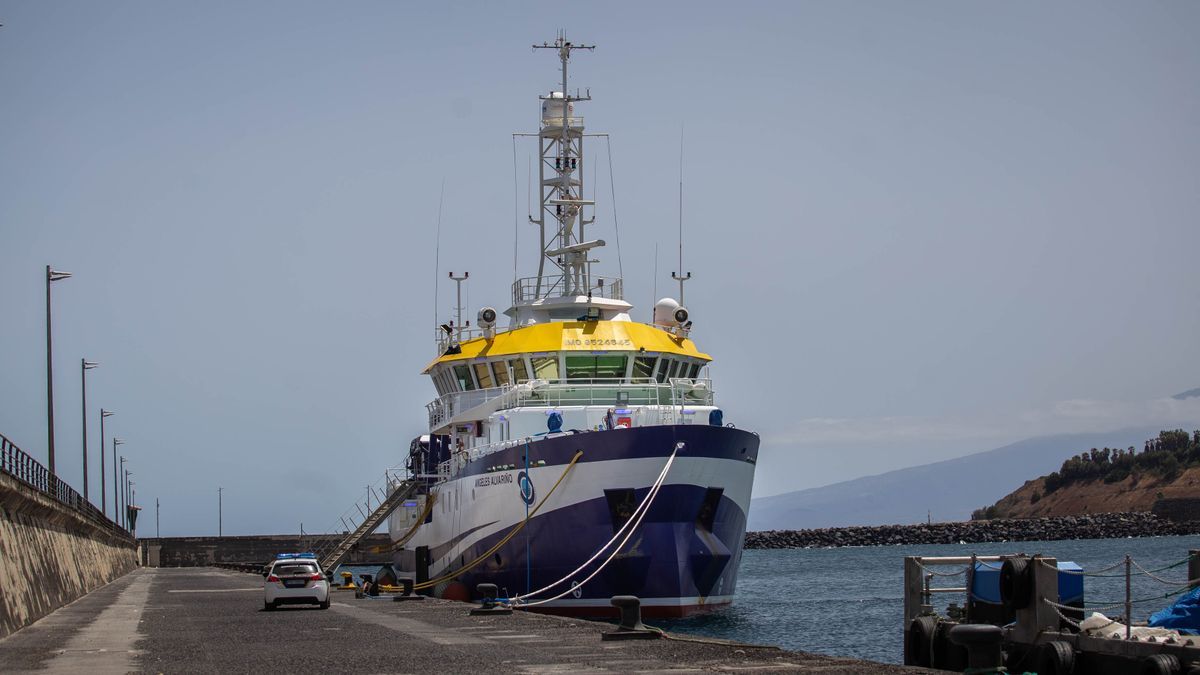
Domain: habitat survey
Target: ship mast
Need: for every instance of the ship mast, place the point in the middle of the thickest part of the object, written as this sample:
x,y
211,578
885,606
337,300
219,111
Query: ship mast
x,y
560,174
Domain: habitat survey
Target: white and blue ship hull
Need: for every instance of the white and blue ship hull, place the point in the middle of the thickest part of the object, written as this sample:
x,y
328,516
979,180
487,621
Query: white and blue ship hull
x,y
682,558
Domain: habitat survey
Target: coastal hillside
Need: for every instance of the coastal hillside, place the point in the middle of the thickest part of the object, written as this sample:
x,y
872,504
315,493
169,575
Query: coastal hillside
x,y
1109,480
944,491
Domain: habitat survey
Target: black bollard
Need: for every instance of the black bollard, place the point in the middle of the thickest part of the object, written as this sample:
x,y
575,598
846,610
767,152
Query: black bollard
x,y
488,604
983,646
406,591
631,626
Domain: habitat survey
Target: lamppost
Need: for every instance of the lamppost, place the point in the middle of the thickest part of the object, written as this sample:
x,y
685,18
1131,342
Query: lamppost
x,y
128,503
116,489
51,275
84,366
219,530
120,502
103,492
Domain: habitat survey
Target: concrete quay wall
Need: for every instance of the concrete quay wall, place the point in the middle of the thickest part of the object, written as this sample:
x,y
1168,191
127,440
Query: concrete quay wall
x,y
50,555
201,551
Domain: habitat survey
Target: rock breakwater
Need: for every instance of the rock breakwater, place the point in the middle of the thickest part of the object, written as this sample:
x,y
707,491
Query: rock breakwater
x,y
1099,526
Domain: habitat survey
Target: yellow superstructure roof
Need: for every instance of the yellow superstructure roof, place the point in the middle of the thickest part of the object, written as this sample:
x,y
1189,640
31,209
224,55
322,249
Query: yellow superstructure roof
x,y
580,336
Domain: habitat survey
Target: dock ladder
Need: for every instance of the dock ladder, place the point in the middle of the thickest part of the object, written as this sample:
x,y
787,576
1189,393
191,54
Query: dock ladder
x,y
334,556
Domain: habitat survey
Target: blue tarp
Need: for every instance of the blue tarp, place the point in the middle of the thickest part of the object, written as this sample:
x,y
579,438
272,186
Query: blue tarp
x,y
1183,615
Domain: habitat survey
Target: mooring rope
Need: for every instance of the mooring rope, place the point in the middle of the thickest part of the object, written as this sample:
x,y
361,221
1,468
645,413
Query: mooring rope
x,y
512,533
635,519
429,500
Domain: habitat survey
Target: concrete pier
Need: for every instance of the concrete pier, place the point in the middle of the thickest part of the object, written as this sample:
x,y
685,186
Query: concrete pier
x,y
210,620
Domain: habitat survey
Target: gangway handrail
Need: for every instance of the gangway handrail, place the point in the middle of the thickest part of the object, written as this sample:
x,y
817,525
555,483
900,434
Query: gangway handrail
x,y
397,497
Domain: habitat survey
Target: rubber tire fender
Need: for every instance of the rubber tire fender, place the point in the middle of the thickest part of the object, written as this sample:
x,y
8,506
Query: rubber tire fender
x,y
946,654
1055,658
920,641
1161,664
1016,583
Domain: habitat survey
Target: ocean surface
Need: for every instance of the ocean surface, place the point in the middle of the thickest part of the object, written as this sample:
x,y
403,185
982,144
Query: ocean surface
x,y
849,601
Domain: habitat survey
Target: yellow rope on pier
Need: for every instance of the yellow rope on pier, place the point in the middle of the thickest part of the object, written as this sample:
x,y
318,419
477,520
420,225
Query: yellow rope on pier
x,y
510,535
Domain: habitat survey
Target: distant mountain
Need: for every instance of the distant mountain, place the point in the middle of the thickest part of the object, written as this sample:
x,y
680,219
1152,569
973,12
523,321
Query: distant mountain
x,y
1190,393
950,489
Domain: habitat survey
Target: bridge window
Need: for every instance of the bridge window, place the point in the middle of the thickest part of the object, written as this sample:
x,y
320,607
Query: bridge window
x,y
501,371
643,367
518,370
463,375
484,374
592,367
545,367
695,370
661,373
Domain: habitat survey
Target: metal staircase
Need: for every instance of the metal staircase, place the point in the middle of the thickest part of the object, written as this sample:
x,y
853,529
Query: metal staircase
x,y
338,553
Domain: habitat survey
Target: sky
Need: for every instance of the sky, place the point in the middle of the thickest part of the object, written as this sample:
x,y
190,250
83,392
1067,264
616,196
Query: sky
x,y
916,230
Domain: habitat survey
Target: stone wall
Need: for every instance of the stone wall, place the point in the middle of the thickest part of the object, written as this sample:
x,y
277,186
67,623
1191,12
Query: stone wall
x,y
201,551
51,555
1098,526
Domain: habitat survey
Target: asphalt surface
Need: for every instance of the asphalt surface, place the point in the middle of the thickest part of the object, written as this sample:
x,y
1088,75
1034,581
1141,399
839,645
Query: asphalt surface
x,y
208,620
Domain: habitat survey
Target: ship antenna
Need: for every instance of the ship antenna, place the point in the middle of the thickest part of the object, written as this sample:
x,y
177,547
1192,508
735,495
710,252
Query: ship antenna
x,y
437,252
681,277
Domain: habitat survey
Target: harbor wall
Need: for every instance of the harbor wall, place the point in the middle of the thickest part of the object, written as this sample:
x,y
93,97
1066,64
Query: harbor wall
x,y
201,551
1098,526
50,554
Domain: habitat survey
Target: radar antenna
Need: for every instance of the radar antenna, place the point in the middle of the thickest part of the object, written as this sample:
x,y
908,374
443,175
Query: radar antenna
x,y
561,145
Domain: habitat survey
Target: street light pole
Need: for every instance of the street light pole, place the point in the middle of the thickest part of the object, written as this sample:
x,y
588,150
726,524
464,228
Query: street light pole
x,y
116,488
157,532
128,521
219,515
121,501
103,492
51,275
84,366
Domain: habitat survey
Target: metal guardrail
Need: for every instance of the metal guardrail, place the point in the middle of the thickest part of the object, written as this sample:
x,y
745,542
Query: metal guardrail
x,y
15,463
526,289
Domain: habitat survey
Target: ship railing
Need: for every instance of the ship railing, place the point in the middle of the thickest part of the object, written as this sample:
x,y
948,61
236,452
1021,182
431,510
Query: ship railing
x,y
556,122
445,407
527,289
674,396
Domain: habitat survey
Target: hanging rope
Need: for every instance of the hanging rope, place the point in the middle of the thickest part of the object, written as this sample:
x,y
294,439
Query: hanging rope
x,y
644,506
613,196
512,533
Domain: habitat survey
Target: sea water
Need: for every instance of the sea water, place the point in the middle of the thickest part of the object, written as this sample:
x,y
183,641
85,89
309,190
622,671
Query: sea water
x,y
850,601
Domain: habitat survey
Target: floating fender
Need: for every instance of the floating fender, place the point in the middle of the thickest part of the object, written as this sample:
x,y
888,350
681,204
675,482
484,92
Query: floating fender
x,y
1161,664
920,641
1016,583
1055,658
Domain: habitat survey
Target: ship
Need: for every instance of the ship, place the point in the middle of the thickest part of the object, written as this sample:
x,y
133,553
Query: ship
x,y
576,454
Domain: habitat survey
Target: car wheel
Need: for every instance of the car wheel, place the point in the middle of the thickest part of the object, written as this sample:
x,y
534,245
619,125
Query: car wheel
x,y
267,606
325,604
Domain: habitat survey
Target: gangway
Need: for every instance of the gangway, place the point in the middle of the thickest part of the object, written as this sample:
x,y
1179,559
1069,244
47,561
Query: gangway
x,y
338,553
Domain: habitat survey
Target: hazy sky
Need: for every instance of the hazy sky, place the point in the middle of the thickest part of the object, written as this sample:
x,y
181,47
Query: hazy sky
x,y
917,230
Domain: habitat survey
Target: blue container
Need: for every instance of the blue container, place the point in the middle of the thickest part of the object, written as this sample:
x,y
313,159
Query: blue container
x,y
986,586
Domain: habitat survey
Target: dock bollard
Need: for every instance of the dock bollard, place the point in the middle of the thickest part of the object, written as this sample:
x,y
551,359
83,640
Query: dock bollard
x,y
488,604
983,646
631,626
406,591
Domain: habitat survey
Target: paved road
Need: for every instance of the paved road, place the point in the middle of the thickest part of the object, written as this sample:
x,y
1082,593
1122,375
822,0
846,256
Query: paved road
x,y
209,620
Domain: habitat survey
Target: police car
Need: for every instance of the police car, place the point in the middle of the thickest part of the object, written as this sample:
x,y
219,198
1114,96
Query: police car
x,y
295,578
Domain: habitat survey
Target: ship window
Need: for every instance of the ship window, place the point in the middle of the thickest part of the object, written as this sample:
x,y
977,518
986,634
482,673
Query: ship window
x,y
483,374
518,369
589,367
643,367
663,365
545,367
695,370
674,369
463,375
501,371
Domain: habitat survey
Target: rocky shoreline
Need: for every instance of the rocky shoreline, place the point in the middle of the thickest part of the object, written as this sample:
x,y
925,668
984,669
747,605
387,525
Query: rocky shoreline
x,y
1099,526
